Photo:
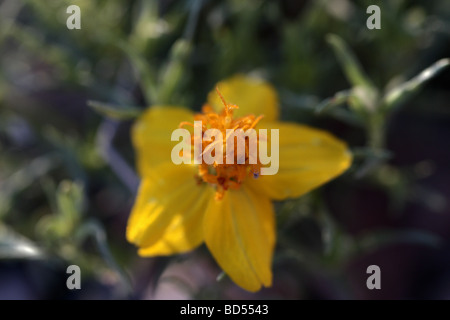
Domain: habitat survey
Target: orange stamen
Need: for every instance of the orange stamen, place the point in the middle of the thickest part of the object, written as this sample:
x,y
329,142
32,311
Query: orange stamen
x,y
225,176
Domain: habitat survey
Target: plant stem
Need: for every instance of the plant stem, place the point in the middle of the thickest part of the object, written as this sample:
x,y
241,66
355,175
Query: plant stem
x,y
375,132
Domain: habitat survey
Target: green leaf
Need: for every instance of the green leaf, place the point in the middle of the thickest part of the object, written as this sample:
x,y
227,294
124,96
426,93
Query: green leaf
x,y
309,103
406,90
70,200
15,246
173,73
339,98
69,203
142,70
147,26
23,178
115,111
352,69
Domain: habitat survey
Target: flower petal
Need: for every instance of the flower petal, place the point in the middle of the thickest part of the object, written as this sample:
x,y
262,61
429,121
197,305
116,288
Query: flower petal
x,y
308,158
168,213
252,95
151,135
239,231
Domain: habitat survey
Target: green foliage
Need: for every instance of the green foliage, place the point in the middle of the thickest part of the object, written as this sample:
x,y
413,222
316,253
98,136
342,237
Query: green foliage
x,y
62,166
401,93
119,112
68,210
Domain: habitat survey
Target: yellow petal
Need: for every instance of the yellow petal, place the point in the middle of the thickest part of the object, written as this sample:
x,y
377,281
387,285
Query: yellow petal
x,y
151,135
252,95
308,158
168,213
239,231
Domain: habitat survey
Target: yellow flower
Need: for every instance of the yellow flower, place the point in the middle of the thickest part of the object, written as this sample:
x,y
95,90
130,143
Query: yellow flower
x,y
179,207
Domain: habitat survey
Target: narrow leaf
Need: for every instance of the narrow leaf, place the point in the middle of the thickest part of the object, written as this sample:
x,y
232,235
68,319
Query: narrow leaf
x,y
374,159
142,70
15,246
387,237
350,65
172,75
403,92
309,103
339,98
115,111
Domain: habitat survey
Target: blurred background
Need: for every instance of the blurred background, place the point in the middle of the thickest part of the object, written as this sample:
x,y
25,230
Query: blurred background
x,y
67,166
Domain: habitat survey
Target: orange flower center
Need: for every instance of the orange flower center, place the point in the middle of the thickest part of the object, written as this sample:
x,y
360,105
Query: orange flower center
x,y
225,175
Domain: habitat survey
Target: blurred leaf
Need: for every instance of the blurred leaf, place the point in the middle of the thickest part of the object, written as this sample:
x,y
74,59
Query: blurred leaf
x,y
297,100
364,95
329,232
221,276
118,164
147,25
349,63
49,188
379,239
191,25
23,178
363,99
69,206
69,200
374,158
173,73
95,230
339,98
143,71
364,152
405,91
115,111
309,103
67,147
15,246
9,10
